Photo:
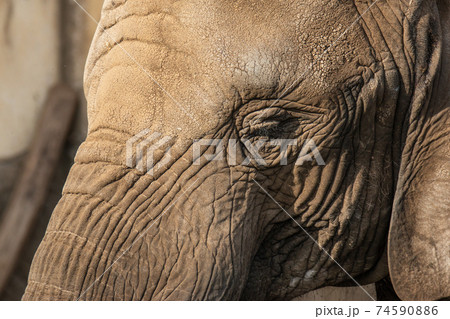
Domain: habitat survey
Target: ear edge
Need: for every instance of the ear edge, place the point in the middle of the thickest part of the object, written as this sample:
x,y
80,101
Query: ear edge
x,y
417,264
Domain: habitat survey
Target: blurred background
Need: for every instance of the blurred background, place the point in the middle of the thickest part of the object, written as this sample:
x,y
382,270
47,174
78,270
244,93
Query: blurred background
x,y
42,42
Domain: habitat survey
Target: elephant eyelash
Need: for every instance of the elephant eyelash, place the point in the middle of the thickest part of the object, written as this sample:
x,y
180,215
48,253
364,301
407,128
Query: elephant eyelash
x,y
270,132
273,128
280,121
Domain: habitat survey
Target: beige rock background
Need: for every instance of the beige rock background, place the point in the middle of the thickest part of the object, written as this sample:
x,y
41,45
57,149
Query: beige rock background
x,y
29,64
29,52
42,42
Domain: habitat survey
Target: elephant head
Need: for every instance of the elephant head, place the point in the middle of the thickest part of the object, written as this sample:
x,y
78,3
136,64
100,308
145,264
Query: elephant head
x,y
366,81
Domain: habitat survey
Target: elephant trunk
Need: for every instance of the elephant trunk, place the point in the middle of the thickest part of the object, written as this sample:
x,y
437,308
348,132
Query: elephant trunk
x,y
118,232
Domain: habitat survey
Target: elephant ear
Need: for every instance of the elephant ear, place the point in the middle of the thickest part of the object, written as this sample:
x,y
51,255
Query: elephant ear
x,y
419,235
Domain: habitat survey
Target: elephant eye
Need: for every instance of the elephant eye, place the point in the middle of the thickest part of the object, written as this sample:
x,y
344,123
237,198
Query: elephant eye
x,y
269,124
270,129
276,119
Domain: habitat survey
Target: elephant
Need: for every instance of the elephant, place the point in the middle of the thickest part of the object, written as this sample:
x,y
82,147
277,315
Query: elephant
x,y
367,81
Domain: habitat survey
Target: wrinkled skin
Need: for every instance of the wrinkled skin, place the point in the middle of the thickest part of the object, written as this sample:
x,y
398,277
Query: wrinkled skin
x,y
373,98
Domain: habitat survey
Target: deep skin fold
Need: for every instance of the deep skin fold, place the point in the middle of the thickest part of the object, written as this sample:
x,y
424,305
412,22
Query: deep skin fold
x,y
216,234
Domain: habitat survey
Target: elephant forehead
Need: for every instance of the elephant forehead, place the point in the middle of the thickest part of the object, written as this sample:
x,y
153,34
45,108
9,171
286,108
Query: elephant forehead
x,y
264,44
259,44
189,58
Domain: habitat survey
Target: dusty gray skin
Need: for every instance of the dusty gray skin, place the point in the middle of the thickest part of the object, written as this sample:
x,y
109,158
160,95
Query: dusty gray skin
x,y
375,105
